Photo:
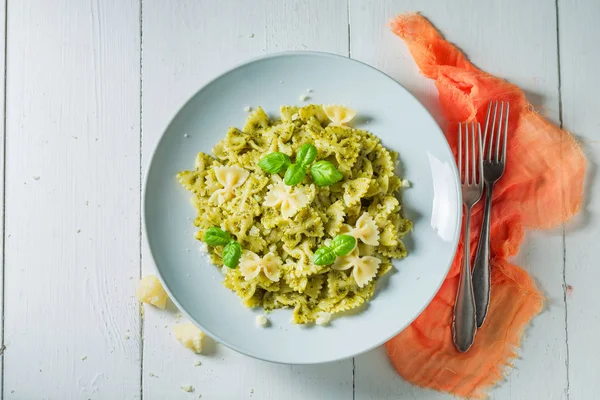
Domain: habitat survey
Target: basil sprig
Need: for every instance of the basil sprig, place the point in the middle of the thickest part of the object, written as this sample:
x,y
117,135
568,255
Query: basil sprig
x,y
343,244
340,246
306,155
323,172
275,163
232,253
294,175
324,256
215,236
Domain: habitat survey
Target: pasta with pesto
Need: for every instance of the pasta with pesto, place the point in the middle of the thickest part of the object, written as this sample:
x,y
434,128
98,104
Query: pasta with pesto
x,y
280,227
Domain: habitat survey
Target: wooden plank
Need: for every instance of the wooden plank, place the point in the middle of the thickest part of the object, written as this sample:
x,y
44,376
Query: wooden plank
x,y
502,38
186,43
2,143
578,34
72,195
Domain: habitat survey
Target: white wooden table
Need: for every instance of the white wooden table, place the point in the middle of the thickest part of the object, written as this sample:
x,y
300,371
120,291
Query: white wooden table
x,y
89,87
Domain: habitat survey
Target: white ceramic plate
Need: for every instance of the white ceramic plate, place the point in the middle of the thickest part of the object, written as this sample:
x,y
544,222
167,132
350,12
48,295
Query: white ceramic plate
x,y
402,123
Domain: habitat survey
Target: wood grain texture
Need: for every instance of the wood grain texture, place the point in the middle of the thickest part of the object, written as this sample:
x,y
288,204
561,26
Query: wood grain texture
x,y
72,200
580,84
185,44
523,50
2,138
72,186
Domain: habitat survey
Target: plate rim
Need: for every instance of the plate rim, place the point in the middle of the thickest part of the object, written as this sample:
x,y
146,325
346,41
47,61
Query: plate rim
x,y
147,169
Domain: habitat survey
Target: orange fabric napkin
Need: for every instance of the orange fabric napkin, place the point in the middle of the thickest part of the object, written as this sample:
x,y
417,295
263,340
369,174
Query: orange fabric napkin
x,y
541,188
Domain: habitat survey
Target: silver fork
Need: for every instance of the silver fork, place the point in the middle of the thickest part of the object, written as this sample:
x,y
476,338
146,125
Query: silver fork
x,y
464,325
493,169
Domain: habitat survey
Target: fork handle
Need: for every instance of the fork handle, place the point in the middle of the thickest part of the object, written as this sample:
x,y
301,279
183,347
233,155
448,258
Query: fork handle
x,y
481,269
464,325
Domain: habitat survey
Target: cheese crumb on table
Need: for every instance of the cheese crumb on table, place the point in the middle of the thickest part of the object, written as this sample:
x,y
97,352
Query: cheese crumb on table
x,y
83,358
151,291
323,318
189,336
303,97
197,364
187,388
247,108
261,321
405,183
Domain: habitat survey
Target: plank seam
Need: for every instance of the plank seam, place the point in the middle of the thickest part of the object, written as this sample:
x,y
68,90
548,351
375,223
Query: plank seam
x,y
4,197
141,309
348,17
350,56
564,240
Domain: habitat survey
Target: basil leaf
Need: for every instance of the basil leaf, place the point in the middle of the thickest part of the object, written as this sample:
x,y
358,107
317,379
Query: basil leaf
x,y
274,163
324,256
325,173
232,253
294,175
306,155
216,236
343,244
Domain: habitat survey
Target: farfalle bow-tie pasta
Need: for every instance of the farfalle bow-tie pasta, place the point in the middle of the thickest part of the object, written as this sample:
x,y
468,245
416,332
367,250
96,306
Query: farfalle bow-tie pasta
x,y
280,227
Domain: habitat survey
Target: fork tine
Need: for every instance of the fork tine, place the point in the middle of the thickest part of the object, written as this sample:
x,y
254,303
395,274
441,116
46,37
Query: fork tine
x,y
487,121
467,153
499,132
492,131
505,133
473,154
480,154
460,157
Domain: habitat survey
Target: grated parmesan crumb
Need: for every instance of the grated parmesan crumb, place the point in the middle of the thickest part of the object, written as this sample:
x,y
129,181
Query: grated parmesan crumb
x,y
186,135
254,231
309,90
303,97
251,35
36,178
187,388
247,108
261,321
405,183
83,358
295,116
197,364
323,318
126,337
225,270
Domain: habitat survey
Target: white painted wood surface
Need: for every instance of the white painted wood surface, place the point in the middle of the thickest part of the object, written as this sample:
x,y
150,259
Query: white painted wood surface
x,y
91,85
72,200
185,44
580,84
493,44
2,139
